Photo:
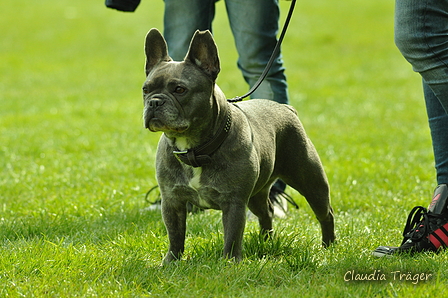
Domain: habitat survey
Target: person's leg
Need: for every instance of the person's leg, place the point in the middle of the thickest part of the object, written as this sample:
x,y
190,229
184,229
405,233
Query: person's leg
x,y
438,123
254,25
421,34
182,19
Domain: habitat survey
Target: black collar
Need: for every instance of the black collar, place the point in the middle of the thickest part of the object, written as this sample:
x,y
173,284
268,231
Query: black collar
x,y
200,156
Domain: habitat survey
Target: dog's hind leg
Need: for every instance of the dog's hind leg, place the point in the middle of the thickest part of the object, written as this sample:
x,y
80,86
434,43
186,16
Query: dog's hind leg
x,y
261,206
309,179
319,201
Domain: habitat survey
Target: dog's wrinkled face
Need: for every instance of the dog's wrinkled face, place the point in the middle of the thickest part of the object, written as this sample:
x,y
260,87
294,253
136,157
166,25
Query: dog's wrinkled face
x,y
177,96
168,93
163,97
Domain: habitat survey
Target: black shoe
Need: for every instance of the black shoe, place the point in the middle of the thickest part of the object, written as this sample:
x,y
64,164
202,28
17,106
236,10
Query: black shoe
x,y
280,199
425,230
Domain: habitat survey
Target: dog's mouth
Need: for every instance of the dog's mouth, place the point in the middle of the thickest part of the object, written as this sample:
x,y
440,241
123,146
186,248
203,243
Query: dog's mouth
x,y
164,121
155,124
150,121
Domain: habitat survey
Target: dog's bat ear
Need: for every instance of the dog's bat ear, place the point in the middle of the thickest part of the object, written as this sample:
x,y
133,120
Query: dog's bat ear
x,y
203,53
156,50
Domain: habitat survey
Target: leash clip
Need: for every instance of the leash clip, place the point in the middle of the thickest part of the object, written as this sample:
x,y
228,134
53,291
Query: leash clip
x,y
178,152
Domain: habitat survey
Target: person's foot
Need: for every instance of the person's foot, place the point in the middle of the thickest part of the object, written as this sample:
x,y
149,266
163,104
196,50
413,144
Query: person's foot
x,y
384,251
280,199
425,230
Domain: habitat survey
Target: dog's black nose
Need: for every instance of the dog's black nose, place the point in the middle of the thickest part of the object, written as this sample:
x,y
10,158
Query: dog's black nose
x,y
155,102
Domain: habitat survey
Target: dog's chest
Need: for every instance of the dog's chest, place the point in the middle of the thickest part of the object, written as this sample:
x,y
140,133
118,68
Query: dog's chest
x,y
202,199
195,181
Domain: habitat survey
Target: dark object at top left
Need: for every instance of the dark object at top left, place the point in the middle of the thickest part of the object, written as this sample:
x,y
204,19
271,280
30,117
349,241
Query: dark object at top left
x,y
123,5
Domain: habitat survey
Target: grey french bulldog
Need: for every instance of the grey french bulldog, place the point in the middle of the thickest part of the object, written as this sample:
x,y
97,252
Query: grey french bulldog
x,y
219,155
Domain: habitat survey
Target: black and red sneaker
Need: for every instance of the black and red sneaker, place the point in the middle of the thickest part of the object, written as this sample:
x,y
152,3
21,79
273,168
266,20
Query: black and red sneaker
x,y
425,230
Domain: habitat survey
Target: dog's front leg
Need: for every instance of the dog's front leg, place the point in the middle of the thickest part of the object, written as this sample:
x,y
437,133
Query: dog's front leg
x,y
175,218
234,221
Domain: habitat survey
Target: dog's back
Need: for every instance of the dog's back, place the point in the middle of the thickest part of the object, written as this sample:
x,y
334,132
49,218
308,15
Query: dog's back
x,y
279,123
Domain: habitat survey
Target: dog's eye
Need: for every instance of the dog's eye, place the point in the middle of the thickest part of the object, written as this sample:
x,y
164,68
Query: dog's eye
x,y
179,90
145,90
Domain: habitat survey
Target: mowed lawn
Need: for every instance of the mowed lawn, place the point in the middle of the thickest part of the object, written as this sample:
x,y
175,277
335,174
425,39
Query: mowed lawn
x,y
76,162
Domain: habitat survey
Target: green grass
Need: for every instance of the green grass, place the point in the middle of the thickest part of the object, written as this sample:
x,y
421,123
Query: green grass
x,y
75,161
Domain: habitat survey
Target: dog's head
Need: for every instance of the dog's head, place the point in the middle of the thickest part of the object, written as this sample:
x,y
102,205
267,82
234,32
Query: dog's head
x,y
178,96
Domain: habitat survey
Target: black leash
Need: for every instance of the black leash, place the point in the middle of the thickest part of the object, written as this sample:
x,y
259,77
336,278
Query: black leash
x,y
271,60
